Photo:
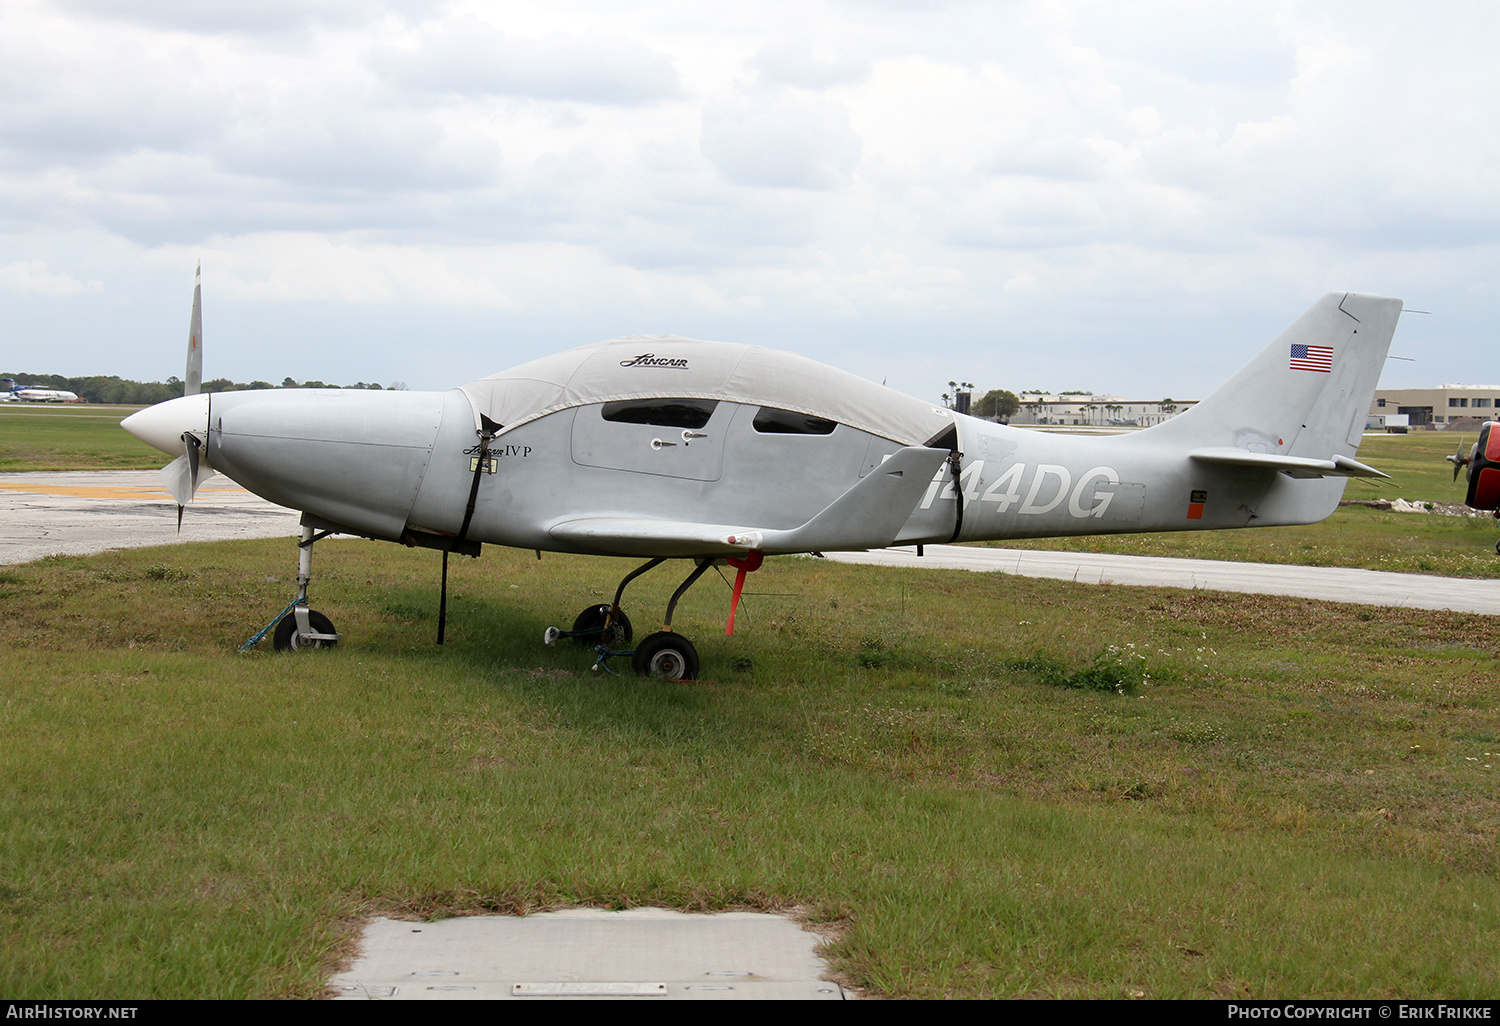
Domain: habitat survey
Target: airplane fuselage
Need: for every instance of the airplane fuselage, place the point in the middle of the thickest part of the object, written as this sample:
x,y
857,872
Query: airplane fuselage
x,y
665,446
386,464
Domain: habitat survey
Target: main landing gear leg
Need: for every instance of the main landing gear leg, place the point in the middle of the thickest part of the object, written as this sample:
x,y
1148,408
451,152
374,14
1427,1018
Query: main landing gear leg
x,y
665,655
603,624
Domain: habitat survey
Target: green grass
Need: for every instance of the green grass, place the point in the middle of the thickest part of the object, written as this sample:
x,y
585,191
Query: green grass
x,y
1298,800
49,437
1416,465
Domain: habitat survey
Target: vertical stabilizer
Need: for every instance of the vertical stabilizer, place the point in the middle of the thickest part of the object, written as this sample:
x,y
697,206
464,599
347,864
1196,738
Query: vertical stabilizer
x,y
1307,393
193,378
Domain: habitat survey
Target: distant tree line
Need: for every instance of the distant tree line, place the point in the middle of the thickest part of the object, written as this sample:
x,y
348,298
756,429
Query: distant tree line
x,y
111,389
996,404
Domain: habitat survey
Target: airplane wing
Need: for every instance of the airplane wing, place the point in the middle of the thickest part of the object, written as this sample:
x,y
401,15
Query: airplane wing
x,y
868,516
637,536
1293,466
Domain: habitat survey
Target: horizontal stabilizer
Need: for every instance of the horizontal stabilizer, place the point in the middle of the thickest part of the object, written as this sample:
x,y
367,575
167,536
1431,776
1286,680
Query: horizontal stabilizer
x,y
1293,466
868,516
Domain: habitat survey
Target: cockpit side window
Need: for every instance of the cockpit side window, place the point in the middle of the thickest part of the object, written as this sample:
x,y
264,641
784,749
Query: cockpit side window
x,y
771,421
672,413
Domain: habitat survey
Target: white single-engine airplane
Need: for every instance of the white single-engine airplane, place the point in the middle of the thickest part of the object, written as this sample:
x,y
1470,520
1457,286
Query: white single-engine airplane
x,y
673,448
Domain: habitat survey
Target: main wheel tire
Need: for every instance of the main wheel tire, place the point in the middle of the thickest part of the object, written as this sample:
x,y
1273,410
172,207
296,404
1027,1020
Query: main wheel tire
x,y
592,619
666,656
285,638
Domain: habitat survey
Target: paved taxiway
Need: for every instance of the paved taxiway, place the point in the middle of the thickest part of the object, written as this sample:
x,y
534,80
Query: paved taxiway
x,y
79,513
1330,584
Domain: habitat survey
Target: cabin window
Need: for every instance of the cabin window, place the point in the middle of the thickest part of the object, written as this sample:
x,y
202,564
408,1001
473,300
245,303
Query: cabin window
x,y
672,413
771,421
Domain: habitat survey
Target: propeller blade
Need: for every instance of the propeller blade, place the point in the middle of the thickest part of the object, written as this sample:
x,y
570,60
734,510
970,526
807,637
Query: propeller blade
x,y
178,477
193,375
1458,459
186,473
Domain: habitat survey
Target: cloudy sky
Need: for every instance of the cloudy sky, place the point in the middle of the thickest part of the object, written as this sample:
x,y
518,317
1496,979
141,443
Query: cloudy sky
x,y
1122,197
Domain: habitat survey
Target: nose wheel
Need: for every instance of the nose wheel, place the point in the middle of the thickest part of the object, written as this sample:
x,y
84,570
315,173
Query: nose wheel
x,y
298,628
595,626
292,635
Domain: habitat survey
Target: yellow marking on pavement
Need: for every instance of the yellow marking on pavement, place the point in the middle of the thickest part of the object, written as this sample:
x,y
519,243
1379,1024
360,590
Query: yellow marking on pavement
x,y
97,492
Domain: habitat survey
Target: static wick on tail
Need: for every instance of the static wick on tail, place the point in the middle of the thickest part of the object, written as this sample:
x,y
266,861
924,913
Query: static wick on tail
x,y
184,474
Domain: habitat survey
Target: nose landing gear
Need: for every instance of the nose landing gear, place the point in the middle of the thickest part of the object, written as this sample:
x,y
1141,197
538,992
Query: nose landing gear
x,y
305,628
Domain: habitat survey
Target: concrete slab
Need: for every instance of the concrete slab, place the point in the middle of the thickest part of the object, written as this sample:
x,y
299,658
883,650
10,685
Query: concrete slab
x,y
79,513
1329,584
643,954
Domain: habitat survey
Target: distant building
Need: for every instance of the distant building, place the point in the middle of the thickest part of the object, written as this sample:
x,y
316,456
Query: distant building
x,y
1438,407
1096,410
1396,423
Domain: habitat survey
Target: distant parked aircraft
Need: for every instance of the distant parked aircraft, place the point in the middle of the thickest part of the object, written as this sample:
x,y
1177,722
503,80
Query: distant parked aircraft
x,y
45,395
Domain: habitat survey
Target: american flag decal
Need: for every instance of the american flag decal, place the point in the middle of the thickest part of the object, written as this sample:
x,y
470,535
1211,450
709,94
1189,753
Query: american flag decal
x,y
1312,358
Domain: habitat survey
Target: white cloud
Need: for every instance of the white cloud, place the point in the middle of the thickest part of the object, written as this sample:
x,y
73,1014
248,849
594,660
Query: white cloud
x,y
32,276
846,178
781,140
304,267
468,56
795,62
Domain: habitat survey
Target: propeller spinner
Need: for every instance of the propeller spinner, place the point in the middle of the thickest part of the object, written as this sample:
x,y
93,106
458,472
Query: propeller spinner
x,y
176,426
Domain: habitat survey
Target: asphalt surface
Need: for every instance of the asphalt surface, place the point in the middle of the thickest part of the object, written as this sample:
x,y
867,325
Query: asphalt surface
x,y
79,513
